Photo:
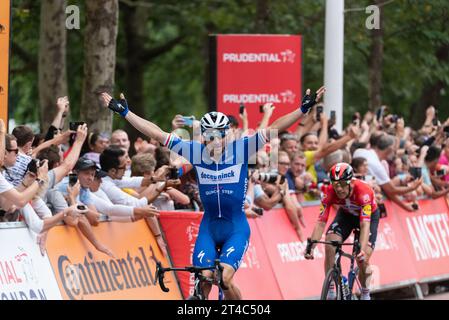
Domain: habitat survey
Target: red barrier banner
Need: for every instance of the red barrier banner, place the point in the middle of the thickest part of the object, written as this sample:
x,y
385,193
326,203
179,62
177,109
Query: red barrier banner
x,y
391,261
181,230
426,233
297,277
253,70
255,276
410,247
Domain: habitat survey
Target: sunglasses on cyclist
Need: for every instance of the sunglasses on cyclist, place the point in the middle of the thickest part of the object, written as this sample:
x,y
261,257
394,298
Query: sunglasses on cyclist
x,y
342,183
211,135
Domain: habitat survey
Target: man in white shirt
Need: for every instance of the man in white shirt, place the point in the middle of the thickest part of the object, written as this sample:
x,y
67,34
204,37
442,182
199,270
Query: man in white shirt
x,y
383,149
113,162
86,170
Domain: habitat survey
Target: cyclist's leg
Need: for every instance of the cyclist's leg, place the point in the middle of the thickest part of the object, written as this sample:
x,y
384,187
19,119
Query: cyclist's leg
x,y
231,256
339,230
204,255
365,271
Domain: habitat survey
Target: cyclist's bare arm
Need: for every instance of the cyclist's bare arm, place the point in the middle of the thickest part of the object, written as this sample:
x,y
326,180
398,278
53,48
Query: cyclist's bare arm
x,y
318,231
364,233
144,126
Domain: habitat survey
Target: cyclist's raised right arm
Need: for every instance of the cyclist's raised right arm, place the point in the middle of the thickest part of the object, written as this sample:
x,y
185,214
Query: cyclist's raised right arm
x,y
144,126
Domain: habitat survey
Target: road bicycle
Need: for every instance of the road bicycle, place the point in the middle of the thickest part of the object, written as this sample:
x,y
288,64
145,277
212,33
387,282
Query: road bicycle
x,y
343,285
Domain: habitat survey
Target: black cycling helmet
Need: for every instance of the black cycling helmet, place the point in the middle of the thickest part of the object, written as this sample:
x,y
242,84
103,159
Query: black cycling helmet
x,y
341,172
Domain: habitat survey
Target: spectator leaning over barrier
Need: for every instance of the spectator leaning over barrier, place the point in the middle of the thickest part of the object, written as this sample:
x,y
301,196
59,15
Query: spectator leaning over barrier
x,y
435,172
299,180
267,195
60,168
113,162
444,158
143,165
7,191
25,138
189,187
317,148
86,170
383,150
283,168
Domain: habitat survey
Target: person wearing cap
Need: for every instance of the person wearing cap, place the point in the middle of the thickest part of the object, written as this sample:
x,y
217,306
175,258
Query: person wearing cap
x,y
87,170
113,162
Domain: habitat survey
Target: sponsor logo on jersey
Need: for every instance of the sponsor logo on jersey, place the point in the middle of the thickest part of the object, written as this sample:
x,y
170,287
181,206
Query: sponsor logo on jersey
x,y
366,198
229,251
228,175
366,211
322,208
201,256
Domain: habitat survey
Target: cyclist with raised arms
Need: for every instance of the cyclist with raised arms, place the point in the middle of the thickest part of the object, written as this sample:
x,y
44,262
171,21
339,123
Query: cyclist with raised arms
x,y
221,168
357,208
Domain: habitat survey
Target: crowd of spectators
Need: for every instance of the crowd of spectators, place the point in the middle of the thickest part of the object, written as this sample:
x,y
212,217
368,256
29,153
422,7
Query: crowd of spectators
x,y
79,176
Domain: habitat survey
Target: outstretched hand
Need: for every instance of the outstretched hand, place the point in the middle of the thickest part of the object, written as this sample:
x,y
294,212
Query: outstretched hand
x,y
310,100
119,106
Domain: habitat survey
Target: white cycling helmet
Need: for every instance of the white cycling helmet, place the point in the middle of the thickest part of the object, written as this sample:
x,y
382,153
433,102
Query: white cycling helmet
x,y
214,120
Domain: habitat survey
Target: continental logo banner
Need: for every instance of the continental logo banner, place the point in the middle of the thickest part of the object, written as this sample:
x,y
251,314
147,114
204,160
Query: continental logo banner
x,y
5,16
83,273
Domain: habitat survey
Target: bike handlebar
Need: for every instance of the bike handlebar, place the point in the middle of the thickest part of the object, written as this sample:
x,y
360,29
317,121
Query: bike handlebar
x,y
334,243
160,272
160,276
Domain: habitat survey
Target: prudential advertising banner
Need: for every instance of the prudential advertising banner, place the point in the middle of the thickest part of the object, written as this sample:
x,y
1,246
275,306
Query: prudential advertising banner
x,y
24,273
254,69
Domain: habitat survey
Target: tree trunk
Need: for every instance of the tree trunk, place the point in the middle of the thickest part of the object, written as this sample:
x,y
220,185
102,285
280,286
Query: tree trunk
x,y
135,22
52,70
375,62
431,93
99,61
262,16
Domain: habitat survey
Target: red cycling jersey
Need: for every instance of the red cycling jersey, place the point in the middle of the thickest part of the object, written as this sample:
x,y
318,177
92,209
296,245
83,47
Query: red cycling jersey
x,y
361,203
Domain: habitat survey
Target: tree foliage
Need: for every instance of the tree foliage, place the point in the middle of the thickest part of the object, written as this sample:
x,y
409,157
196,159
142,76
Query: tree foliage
x,y
415,68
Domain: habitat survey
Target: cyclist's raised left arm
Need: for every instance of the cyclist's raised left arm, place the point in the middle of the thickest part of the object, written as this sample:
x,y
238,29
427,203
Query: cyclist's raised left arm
x,y
289,119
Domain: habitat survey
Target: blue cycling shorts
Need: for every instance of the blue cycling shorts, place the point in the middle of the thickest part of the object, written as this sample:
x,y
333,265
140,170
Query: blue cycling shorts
x,y
232,237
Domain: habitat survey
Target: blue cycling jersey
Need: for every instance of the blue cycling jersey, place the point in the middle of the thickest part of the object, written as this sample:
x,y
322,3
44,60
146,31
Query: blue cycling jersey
x,y
222,185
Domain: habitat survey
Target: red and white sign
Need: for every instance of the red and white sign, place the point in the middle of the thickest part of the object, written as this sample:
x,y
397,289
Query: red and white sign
x,y
426,233
24,273
256,69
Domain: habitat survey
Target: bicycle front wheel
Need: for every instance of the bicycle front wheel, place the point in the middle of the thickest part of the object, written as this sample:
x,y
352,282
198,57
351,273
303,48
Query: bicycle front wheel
x,y
331,286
